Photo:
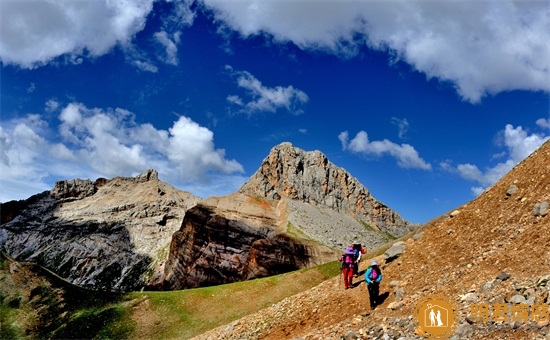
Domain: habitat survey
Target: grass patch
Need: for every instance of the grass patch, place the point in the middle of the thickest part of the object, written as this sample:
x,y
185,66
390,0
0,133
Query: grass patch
x,y
9,327
109,322
187,313
291,230
369,228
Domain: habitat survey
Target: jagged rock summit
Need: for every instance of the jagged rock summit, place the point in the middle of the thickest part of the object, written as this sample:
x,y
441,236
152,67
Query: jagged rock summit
x,y
289,172
108,235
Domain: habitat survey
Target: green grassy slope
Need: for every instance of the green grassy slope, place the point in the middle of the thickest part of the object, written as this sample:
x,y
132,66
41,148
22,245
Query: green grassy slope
x,y
33,304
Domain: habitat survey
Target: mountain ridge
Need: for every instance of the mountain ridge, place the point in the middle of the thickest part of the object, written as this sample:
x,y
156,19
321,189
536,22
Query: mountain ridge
x,y
119,234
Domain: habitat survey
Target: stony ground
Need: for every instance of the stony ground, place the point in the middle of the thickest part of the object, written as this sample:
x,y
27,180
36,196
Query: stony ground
x,y
459,255
317,222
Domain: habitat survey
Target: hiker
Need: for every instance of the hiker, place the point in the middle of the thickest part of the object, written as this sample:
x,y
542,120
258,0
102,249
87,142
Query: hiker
x,y
373,276
348,263
358,251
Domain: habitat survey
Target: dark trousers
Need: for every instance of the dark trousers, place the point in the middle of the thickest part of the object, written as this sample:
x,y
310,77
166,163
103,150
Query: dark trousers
x,y
374,289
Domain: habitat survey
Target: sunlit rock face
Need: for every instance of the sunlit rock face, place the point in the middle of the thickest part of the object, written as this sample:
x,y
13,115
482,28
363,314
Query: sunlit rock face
x,y
310,177
235,238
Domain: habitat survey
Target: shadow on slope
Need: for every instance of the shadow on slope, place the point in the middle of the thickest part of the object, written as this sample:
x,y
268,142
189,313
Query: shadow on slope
x,y
35,303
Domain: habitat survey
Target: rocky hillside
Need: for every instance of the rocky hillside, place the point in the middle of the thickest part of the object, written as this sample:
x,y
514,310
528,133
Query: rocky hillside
x,y
236,238
289,172
494,249
108,235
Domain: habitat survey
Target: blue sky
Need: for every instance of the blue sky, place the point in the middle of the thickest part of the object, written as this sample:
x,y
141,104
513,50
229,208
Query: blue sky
x,y
426,103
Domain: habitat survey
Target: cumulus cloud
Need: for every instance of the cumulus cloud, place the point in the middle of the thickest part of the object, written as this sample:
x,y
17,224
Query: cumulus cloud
x,y
36,32
518,145
454,41
265,99
51,105
96,142
405,154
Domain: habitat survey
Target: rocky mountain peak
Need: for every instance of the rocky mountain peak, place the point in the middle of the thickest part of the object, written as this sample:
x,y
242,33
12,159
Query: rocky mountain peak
x,y
79,188
290,172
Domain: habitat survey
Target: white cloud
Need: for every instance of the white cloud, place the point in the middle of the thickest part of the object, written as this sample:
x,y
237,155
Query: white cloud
x,y
5,144
402,126
405,154
145,66
36,32
31,88
543,123
265,99
51,105
482,47
107,143
170,46
518,143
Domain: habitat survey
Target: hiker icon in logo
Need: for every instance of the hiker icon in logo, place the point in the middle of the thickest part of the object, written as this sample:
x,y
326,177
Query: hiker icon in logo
x,y
435,321
436,317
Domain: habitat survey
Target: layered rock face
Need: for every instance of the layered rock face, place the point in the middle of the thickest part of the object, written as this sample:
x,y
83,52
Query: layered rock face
x,y
107,235
235,238
289,172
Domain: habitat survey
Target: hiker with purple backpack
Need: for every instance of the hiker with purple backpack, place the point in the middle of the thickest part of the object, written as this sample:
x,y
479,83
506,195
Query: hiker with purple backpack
x,y
373,276
348,260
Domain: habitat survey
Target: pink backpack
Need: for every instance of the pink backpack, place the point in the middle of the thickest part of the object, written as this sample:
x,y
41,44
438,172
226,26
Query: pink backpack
x,y
373,274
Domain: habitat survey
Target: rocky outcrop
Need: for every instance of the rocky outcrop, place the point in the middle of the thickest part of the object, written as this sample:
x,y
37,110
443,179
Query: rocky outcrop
x,y
235,238
107,235
289,172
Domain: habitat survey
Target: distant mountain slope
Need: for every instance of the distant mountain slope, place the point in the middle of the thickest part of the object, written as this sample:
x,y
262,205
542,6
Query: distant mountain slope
x,y
494,249
289,172
108,235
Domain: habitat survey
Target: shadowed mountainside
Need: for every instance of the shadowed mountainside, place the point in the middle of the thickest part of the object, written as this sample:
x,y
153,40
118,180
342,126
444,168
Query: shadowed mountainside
x,y
234,238
108,235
